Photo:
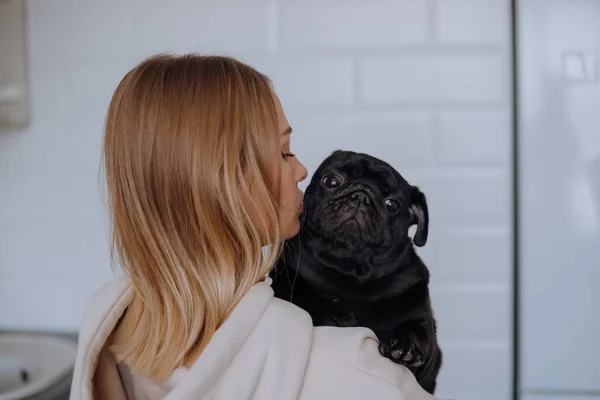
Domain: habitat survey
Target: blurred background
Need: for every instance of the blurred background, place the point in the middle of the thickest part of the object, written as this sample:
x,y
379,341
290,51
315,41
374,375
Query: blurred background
x,y
492,107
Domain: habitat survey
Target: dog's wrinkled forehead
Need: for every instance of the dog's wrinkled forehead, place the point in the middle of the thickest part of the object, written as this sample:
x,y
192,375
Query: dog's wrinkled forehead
x,y
364,168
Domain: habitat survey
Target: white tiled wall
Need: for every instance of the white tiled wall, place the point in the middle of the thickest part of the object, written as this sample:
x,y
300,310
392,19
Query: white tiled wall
x,y
424,84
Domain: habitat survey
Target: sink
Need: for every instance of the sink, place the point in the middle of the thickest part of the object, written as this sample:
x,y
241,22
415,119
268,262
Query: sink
x,y
35,366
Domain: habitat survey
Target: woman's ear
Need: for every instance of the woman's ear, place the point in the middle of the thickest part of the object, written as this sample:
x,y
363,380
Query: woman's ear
x,y
419,215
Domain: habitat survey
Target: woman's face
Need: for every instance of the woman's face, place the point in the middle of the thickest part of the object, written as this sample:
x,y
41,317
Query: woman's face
x,y
292,172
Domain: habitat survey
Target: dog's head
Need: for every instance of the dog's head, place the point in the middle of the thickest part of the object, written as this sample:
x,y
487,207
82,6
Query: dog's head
x,y
359,202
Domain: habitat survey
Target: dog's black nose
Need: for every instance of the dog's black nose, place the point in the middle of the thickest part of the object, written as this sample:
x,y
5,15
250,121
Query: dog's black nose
x,y
361,197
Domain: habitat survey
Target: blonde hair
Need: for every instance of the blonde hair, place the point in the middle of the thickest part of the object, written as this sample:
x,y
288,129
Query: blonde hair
x,y
191,152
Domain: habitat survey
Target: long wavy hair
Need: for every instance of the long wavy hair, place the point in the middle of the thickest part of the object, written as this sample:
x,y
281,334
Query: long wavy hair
x,y
191,152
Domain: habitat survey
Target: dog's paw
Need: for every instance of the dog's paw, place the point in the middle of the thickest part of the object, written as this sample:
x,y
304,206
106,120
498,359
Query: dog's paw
x,y
402,352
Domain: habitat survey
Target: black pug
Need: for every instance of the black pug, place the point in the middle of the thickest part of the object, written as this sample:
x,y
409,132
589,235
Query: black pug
x,y
353,262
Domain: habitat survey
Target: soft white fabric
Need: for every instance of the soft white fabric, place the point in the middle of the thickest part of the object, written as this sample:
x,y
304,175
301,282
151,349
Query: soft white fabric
x,y
267,349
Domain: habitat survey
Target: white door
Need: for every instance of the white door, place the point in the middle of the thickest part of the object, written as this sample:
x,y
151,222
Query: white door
x,y
559,152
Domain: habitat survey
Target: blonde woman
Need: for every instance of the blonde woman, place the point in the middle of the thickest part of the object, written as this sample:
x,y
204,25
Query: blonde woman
x,y
203,190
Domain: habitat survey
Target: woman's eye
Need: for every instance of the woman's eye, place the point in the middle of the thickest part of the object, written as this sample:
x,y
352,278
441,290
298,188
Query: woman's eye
x,y
332,182
287,155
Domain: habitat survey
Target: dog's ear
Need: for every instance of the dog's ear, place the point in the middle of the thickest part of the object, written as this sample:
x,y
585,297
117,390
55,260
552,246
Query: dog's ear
x,y
419,215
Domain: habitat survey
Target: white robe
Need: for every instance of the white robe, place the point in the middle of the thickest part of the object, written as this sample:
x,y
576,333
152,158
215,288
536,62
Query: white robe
x,y
266,350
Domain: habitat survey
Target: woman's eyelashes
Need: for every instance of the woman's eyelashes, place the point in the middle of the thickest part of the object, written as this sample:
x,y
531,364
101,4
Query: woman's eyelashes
x,y
287,155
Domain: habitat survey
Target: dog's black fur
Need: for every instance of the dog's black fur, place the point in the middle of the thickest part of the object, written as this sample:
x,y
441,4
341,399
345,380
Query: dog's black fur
x,y
353,262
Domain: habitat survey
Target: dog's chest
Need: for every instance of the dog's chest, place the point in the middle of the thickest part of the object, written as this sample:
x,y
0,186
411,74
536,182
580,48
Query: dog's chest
x,y
332,311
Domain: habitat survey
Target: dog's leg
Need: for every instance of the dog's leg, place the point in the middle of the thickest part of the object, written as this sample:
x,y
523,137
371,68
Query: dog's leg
x,y
414,344
427,374
407,345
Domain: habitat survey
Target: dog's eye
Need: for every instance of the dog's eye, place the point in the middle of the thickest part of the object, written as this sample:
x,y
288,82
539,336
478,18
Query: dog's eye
x,y
332,182
392,206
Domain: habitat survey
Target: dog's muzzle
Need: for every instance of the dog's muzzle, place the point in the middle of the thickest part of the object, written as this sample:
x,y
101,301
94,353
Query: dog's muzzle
x,y
361,197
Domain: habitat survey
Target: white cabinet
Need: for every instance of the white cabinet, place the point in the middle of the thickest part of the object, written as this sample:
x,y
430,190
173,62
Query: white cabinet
x,y
559,153
14,111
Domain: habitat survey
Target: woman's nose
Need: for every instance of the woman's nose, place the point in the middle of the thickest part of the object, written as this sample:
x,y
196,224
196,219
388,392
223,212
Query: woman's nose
x,y
302,172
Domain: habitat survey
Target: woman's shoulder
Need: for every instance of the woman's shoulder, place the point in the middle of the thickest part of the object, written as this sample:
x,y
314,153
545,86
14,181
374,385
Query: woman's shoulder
x,y
105,296
349,357
346,361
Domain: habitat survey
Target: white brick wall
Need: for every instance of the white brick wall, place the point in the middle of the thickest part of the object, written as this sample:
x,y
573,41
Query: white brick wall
x,y
458,139
424,84
432,77
351,24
